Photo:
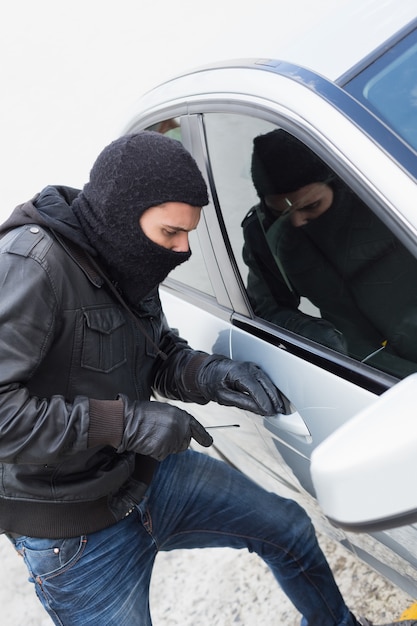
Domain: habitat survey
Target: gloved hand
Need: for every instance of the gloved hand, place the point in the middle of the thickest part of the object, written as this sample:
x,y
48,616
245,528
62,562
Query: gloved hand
x,y
158,429
315,328
239,383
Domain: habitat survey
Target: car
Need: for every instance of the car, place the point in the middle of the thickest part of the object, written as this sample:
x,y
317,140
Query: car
x,y
352,104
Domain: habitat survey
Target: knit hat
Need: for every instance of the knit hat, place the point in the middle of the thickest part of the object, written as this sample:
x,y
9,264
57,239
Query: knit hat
x,y
281,164
142,170
132,174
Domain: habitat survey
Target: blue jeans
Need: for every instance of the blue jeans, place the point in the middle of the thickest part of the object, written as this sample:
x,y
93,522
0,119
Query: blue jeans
x,y
194,501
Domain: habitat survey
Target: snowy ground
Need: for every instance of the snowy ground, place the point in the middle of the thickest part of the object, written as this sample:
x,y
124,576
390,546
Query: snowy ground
x,y
218,587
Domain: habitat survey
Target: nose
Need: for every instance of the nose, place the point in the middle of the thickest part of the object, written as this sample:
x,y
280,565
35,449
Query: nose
x,y
298,218
181,243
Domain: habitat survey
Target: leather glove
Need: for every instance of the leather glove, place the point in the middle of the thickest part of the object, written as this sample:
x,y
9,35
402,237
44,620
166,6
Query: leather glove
x,y
158,429
240,384
315,328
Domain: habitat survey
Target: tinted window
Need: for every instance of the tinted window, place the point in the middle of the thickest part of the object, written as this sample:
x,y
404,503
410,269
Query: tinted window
x,y
389,88
313,257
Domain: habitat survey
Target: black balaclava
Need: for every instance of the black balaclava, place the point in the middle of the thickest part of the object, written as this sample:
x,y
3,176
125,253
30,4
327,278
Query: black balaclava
x,y
132,174
281,164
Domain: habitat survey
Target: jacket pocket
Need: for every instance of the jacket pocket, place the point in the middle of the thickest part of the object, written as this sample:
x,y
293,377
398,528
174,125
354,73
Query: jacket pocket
x,y
104,341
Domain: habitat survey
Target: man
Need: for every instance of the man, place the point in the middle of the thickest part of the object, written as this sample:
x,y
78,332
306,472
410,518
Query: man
x,y
311,237
96,478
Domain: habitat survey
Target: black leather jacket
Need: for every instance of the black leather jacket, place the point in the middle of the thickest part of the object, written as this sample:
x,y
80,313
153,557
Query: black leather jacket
x,y
68,349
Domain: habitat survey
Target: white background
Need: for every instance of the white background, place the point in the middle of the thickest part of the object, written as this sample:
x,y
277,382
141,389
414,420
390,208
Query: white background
x,y
72,71
70,75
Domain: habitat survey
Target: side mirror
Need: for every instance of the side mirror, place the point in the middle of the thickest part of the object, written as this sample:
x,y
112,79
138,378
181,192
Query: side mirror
x,y
364,472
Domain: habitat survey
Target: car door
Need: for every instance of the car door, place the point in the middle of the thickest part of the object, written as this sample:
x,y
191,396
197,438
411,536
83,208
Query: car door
x,y
323,386
324,389
208,300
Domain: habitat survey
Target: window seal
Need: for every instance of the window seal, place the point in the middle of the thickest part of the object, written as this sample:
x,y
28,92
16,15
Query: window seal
x,y
358,373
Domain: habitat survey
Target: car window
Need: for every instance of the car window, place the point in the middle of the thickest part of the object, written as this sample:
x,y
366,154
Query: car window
x,y
389,88
313,257
170,127
194,272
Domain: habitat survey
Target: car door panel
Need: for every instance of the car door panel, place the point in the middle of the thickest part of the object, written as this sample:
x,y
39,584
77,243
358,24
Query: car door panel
x,y
324,389
277,459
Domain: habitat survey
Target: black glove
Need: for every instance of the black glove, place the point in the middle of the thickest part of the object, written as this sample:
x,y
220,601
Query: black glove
x,y
158,429
240,384
315,328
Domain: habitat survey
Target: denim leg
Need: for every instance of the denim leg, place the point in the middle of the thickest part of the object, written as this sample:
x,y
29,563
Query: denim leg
x,y
102,578
193,501
196,501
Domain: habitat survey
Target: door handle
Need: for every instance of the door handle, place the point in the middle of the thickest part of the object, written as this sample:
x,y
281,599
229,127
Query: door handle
x,y
289,422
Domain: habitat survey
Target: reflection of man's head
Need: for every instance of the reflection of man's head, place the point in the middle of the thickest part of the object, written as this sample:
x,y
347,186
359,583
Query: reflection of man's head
x,y
289,178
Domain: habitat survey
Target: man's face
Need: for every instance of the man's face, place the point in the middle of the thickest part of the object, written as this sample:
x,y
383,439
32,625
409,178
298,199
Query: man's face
x,y
303,205
168,224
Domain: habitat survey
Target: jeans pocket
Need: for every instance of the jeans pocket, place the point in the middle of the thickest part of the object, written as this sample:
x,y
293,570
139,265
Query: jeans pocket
x,y
46,558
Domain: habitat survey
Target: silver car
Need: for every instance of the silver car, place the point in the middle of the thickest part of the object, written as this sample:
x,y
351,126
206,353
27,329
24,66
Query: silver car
x,y
324,300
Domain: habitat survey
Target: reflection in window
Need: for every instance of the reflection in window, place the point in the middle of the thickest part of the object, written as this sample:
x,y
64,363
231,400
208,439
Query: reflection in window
x,y
317,261
170,127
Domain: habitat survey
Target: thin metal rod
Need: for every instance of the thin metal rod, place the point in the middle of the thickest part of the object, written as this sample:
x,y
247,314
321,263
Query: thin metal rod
x,y
224,426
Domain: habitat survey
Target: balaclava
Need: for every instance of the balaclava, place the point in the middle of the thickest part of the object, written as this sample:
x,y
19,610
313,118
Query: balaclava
x,y
132,174
281,164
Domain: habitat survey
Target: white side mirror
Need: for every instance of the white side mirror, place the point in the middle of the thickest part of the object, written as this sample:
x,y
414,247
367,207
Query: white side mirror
x,y
364,473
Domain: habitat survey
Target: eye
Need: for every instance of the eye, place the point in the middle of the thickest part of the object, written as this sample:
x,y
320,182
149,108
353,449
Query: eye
x,y
310,207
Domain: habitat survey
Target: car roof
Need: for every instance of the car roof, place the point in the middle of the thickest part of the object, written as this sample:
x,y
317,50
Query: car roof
x,y
341,44
338,41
